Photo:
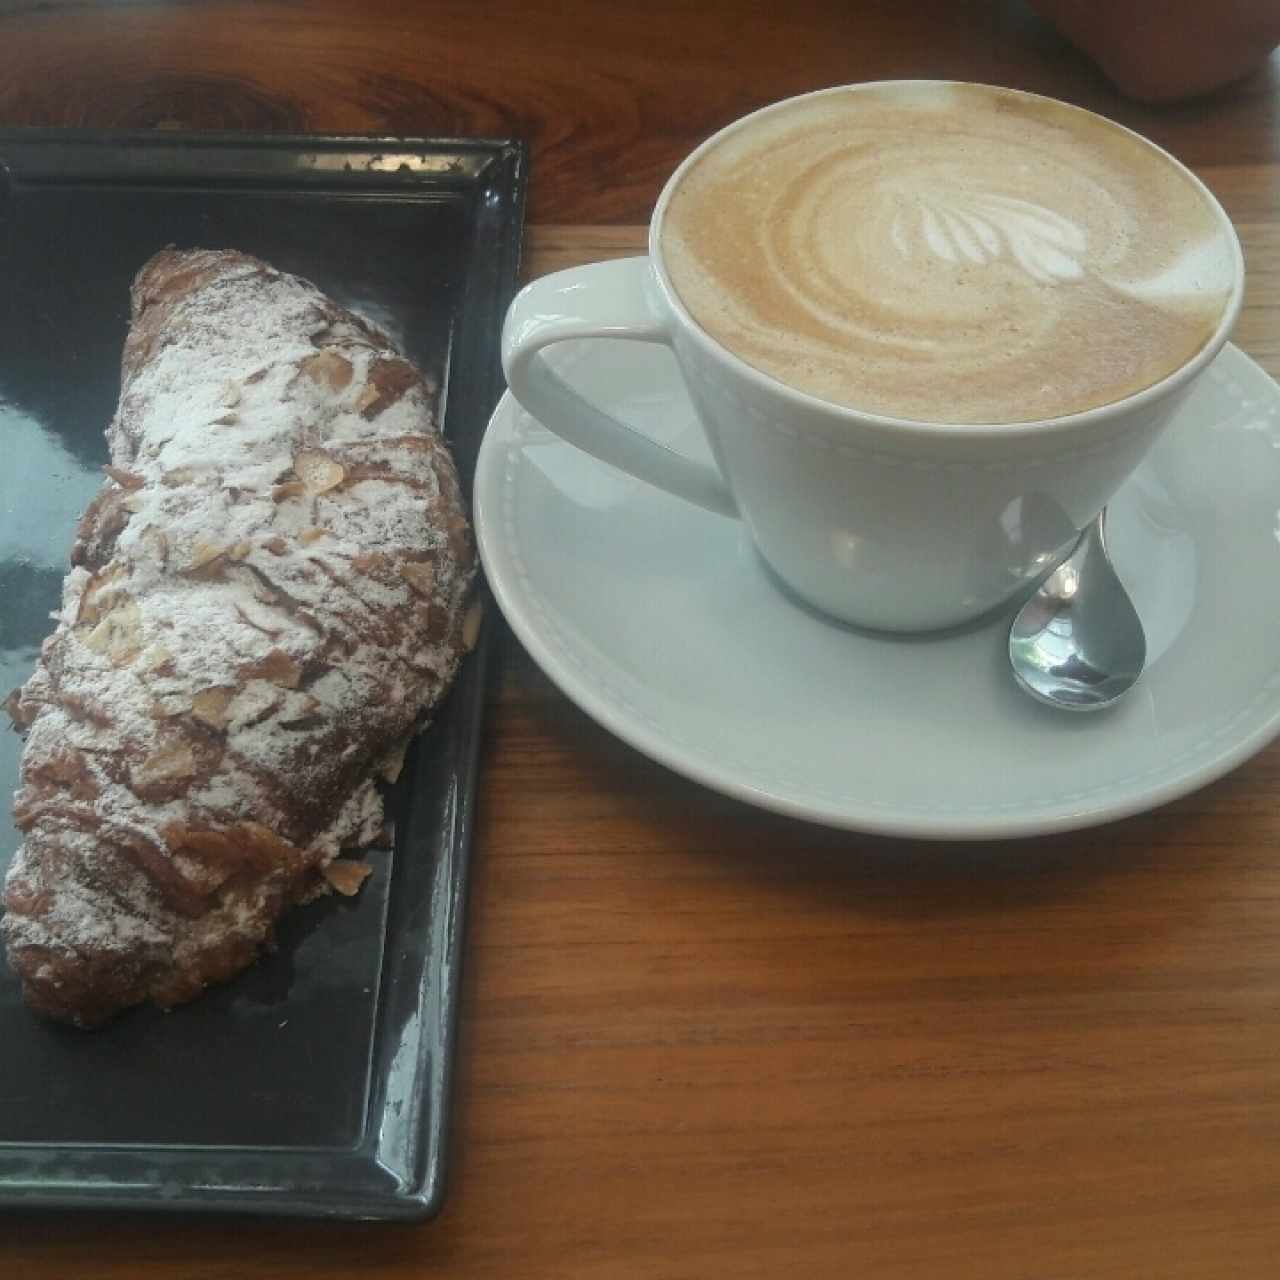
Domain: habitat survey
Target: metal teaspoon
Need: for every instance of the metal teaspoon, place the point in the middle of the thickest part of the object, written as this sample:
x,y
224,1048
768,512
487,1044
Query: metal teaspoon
x,y
1078,642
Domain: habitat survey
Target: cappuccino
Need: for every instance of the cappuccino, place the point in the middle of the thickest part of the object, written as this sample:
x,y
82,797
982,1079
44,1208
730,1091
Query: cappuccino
x,y
947,253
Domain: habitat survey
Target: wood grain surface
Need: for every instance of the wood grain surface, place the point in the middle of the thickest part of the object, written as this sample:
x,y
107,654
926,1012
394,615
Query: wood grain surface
x,y
609,95
699,1040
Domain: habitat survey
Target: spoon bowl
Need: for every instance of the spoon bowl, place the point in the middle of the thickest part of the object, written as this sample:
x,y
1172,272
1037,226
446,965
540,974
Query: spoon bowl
x,y
1078,643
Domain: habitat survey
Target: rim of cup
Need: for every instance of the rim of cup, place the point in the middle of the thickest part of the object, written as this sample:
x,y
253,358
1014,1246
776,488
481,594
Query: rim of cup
x,y
1170,383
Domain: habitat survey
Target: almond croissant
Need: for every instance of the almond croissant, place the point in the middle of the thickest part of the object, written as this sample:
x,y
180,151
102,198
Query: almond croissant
x,y
268,596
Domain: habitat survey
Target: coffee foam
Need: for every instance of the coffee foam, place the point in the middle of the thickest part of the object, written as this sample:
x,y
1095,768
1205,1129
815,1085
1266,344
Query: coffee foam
x,y
948,253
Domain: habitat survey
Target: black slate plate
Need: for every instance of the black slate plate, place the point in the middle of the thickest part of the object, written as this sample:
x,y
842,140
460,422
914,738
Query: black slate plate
x,y
316,1084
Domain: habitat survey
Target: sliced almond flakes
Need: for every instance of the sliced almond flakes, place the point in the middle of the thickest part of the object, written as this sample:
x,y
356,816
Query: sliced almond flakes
x,y
318,472
169,764
420,575
346,877
125,479
210,705
203,553
118,634
328,369
276,666
471,625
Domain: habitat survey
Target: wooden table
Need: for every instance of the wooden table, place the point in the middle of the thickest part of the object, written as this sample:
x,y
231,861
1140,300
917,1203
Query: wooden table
x,y
698,1040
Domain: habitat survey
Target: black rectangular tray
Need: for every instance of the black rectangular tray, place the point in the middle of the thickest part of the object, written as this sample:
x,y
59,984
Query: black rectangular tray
x,y
318,1082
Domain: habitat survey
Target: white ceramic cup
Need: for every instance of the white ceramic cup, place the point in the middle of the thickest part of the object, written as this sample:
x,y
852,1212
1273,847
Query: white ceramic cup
x,y
882,522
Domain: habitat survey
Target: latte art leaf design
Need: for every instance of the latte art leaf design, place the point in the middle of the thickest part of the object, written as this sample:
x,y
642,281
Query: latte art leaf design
x,y
948,253
960,227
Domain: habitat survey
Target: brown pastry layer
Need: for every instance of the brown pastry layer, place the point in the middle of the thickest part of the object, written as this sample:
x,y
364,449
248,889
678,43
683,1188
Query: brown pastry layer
x,y
267,598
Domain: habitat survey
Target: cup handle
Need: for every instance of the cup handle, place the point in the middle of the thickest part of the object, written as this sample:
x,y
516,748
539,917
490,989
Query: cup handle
x,y
602,300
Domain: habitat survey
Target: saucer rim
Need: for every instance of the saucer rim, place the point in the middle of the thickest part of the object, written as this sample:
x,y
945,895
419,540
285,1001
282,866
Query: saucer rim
x,y
502,573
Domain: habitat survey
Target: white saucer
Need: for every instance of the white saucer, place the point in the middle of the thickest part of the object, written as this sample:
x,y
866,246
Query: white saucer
x,y
659,621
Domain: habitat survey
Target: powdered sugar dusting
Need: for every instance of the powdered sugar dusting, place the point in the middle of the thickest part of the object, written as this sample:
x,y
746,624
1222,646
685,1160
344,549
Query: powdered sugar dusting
x,y
268,595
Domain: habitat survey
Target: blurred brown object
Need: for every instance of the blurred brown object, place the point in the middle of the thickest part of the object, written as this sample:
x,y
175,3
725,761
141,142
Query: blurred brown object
x,y
1163,50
